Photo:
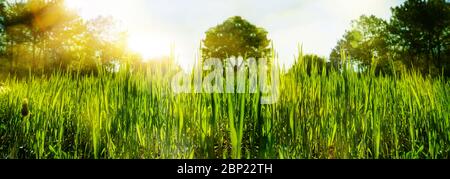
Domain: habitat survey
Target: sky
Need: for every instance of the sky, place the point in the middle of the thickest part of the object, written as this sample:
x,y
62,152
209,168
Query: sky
x,y
155,25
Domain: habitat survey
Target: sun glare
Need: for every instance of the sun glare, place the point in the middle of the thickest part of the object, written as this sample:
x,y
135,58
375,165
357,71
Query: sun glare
x,y
149,47
149,44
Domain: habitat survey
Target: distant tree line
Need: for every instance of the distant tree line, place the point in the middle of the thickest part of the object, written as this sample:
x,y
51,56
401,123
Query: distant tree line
x,y
43,35
416,37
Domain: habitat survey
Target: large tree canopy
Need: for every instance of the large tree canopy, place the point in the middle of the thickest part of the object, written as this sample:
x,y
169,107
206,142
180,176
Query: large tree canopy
x,y
236,37
365,42
309,64
420,32
417,37
44,34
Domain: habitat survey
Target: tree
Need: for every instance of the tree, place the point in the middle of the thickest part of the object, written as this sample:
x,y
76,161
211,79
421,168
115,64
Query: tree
x,y
420,32
235,37
27,26
15,19
52,30
108,40
44,34
309,64
2,27
365,42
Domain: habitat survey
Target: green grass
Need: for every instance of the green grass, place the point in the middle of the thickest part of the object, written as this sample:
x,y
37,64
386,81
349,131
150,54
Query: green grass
x,y
136,115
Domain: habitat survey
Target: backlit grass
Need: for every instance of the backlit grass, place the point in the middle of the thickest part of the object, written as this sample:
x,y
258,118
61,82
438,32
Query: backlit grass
x,y
136,115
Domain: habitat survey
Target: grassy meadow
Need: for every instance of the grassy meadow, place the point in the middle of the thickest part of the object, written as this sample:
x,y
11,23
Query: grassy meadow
x,y
136,115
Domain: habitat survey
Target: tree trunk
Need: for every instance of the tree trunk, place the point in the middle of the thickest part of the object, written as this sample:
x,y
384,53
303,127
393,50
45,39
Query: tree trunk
x,y
439,51
11,57
34,52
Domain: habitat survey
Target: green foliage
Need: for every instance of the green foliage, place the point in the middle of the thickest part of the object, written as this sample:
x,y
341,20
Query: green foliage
x,y
326,110
2,26
416,37
420,33
365,42
236,37
136,115
311,64
43,36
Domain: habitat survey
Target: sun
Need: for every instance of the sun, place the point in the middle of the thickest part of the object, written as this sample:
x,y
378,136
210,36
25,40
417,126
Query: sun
x,y
150,47
149,43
